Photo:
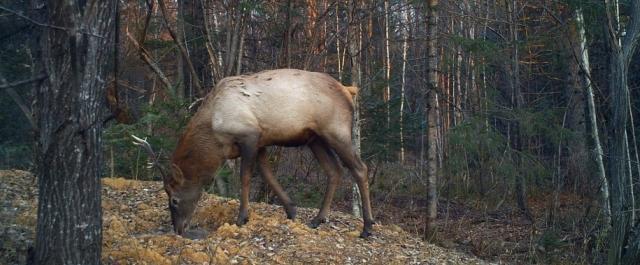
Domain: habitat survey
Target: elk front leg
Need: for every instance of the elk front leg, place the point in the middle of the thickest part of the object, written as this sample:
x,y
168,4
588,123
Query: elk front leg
x,y
248,153
268,177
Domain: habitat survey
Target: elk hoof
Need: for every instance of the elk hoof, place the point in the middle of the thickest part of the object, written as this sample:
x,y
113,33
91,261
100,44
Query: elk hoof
x,y
242,219
291,212
317,221
365,234
368,225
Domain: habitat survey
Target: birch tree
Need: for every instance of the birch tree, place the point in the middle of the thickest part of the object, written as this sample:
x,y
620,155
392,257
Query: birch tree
x,y
581,54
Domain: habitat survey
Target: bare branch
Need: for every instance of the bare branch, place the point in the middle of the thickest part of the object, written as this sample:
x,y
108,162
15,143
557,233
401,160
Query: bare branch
x,y
144,55
5,85
16,97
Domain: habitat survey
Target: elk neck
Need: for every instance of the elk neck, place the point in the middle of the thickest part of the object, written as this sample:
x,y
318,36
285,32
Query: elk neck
x,y
198,154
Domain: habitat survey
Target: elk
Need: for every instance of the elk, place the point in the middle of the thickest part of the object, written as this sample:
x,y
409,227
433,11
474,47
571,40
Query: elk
x,y
245,114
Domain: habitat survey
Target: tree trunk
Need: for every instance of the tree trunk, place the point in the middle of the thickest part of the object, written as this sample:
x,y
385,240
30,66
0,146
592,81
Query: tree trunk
x,y
181,68
405,37
517,102
577,160
287,38
387,74
192,22
620,54
183,50
618,164
70,112
354,52
432,115
585,74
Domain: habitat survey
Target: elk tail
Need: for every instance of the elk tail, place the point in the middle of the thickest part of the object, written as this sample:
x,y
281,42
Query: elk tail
x,y
353,90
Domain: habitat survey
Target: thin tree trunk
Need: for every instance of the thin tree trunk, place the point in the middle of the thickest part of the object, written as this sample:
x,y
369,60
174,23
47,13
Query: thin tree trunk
x,y
289,33
632,206
181,68
637,161
518,102
339,61
214,60
191,19
405,44
68,147
387,66
432,115
182,48
240,51
354,52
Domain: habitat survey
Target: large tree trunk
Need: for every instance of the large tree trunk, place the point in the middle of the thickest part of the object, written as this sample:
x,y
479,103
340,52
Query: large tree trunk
x,y
69,109
432,115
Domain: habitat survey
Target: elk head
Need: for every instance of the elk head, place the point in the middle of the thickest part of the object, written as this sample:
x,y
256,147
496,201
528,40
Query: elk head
x,y
183,195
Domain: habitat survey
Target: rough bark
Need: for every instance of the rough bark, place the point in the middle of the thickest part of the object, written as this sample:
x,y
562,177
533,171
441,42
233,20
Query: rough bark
x,y
70,112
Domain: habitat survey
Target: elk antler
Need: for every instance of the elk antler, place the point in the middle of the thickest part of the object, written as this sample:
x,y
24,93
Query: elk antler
x,y
154,159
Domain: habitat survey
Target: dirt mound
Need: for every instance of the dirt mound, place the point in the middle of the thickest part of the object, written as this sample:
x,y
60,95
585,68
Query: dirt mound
x,y
136,230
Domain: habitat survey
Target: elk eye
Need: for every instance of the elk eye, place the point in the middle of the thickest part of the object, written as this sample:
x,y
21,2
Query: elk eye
x,y
174,201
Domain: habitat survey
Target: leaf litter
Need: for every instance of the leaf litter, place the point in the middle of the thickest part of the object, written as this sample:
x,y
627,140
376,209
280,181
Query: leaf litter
x,y
137,230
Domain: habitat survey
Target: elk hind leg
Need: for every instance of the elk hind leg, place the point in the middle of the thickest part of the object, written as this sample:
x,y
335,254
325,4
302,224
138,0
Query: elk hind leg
x,y
329,164
347,153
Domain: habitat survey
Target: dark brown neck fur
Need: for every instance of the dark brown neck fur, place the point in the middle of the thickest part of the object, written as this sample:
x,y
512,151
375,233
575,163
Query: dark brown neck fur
x,y
198,154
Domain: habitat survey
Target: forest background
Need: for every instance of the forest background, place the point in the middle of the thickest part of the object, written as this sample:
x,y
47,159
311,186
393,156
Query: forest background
x,y
504,128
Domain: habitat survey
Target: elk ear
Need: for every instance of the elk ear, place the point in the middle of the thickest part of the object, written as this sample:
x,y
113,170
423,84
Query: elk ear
x,y
178,176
